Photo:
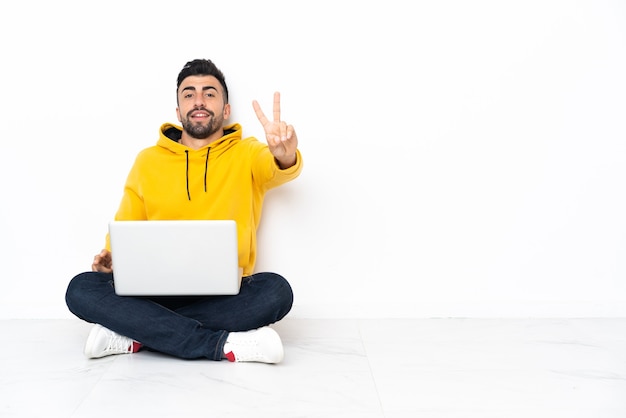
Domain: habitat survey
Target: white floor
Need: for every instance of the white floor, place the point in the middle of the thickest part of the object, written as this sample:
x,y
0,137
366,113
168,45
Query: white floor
x,y
427,368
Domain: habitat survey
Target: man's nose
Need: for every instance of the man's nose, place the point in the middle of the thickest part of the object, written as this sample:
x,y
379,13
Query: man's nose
x,y
199,101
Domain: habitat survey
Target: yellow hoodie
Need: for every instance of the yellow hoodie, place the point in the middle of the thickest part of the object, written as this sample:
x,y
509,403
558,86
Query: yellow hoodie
x,y
224,180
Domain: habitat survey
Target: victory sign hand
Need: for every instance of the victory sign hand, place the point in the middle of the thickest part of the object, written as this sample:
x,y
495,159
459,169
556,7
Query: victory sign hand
x,y
281,138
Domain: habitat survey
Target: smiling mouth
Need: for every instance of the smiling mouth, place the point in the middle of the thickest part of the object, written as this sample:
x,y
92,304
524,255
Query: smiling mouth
x,y
200,114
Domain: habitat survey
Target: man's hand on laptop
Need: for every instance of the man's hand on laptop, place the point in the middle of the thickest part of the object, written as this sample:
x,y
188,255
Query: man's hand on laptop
x,y
102,262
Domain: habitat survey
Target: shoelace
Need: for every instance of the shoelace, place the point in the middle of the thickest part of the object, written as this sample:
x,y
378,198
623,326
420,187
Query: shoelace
x,y
119,344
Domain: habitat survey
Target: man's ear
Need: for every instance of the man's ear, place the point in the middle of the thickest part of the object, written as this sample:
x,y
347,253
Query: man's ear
x,y
226,111
178,114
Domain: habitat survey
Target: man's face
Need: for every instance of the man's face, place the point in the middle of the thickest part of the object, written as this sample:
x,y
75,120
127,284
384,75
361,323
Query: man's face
x,y
201,108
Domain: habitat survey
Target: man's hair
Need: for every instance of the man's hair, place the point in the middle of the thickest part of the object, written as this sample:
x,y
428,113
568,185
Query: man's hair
x,y
202,67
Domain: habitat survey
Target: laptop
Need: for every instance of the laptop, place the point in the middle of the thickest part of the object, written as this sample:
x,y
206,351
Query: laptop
x,y
175,258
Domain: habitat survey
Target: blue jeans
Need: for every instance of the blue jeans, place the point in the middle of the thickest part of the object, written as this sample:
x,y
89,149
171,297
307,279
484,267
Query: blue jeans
x,y
185,327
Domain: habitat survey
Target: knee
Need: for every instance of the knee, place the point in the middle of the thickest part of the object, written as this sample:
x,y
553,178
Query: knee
x,y
82,289
282,293
287,292
75,293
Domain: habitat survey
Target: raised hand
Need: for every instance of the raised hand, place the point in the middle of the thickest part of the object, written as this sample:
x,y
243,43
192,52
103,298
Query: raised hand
x,y
281,138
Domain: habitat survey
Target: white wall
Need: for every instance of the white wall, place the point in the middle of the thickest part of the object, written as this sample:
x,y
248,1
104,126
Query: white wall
x,y
461,158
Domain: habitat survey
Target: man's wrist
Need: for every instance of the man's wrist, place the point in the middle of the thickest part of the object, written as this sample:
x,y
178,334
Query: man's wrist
x,y
287,162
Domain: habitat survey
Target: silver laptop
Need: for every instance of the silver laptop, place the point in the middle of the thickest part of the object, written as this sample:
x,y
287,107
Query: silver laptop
x,y
175,258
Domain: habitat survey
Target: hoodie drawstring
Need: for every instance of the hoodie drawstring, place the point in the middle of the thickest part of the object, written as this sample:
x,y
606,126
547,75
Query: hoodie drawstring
x,y
206,169
206,166
187,174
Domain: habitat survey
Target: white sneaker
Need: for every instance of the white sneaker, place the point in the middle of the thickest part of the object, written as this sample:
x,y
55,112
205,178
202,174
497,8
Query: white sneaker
x,y
262,345
104,342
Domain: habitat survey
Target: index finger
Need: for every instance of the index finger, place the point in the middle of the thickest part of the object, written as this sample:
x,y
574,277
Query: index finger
x,y
259,113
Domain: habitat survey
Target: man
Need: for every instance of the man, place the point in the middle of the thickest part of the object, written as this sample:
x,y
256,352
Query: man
x,y
203,169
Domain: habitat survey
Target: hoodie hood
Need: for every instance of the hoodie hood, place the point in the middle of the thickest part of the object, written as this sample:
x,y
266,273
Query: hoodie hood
x,y
170,134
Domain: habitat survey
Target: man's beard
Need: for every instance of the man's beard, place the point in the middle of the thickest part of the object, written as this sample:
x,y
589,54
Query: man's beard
x,y
199,131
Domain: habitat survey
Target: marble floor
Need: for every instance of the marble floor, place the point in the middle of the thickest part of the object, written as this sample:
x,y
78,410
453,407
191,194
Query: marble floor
x,y
369,368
